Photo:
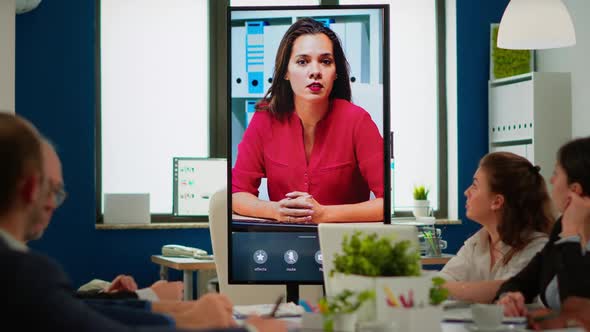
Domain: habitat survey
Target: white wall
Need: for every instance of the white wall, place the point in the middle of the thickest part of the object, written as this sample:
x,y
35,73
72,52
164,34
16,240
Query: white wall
x,y
7,18
574,59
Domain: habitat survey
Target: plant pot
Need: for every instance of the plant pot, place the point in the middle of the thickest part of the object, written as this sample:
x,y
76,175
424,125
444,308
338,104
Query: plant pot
x,y
421,208
345,322
378,309
416,319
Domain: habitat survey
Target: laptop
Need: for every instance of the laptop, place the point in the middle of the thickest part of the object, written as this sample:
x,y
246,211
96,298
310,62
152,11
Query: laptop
x,y
332,234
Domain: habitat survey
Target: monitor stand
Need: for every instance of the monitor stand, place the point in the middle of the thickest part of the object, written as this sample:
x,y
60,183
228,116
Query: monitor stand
x,y
292,292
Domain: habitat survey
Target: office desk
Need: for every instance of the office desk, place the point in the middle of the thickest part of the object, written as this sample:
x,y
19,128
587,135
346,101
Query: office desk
x,y
442,260
188,266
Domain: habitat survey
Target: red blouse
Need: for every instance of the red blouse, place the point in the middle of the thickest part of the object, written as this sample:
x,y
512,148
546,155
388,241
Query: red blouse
x,y
345,165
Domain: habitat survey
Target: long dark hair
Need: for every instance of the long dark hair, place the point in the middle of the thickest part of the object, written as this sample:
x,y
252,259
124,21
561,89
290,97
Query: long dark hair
x,y
527,206
279,98
574,158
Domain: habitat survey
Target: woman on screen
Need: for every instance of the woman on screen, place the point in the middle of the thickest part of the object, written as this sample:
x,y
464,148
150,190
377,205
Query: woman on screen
x,y
509,198
322,155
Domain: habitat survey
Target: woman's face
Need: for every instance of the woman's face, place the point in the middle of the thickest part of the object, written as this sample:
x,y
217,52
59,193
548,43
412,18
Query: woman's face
x,y
312,68
479,197
560,187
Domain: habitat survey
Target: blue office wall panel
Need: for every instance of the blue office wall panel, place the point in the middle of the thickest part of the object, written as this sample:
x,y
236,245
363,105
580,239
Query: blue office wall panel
x,y
55,89
473,47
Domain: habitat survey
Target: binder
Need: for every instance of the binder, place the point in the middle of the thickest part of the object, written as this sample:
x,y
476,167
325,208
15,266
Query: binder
x,y
250,109
255,56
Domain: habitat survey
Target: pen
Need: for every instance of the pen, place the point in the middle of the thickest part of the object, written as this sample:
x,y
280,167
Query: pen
x,y
307,307
276,307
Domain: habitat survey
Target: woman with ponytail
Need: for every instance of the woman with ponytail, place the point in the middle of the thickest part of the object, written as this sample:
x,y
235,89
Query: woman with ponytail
x,y
508,198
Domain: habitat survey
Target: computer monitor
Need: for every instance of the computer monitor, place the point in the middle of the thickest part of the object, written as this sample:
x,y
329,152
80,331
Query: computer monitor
x,y
195,180
269,161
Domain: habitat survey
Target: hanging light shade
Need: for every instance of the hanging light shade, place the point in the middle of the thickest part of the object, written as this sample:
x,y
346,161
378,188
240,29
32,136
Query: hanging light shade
x,y
536,24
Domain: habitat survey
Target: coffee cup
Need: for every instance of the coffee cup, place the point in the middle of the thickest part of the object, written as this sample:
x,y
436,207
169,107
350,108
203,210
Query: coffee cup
x,y
487,316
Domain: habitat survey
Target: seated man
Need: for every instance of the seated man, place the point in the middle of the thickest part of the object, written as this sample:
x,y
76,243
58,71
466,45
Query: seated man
x,y
35,285
122,286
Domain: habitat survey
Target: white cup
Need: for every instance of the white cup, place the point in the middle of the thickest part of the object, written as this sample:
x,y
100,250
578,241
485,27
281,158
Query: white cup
x,y
487,316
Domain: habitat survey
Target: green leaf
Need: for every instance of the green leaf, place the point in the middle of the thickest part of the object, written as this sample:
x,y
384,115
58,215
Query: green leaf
x,y
437,292
369,255
346,301
420,193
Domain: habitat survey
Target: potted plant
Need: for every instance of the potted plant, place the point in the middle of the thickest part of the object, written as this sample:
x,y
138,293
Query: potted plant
x,y
339,312
390,268
421,202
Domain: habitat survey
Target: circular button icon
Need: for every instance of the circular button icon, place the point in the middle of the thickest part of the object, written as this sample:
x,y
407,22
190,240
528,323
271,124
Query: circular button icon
x,y
318,257
291,256
260,256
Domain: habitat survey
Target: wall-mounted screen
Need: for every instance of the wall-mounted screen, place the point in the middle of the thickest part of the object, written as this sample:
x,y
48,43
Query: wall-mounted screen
x,y
307,140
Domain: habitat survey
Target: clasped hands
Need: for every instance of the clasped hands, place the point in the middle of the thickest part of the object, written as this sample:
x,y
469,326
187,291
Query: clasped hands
x,y
300,207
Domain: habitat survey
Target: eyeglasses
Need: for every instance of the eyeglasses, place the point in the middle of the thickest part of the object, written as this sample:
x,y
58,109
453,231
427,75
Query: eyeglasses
x,y
59,194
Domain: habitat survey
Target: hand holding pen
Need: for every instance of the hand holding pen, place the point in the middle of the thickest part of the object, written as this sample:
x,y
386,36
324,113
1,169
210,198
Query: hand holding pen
x,y
275,309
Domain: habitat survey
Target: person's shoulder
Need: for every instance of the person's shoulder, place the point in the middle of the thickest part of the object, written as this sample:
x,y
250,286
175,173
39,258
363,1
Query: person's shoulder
x,y
477,238
539,238
348,109
262,119
28,259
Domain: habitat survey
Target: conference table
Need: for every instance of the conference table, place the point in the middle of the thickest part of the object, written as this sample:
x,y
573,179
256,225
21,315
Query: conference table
x,y
294,325
205,268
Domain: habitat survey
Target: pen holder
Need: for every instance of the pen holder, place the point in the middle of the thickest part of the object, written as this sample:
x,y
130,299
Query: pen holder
x,y
312,321
405,301
428,318
401,293
431,242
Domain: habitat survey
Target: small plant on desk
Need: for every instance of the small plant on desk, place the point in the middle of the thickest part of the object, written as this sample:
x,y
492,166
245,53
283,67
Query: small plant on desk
x,y
420,193
346,303
438,294
369,255
421,202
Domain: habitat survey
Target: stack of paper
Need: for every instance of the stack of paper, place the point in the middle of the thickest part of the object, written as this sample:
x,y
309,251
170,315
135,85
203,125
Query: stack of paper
x,y
285,310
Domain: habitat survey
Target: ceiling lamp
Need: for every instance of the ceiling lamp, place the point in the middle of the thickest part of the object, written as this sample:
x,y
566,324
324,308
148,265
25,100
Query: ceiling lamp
x,y
536,24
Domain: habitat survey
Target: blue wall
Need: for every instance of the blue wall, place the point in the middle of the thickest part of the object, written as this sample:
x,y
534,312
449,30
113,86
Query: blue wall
x,y
473,47
55,88
55,82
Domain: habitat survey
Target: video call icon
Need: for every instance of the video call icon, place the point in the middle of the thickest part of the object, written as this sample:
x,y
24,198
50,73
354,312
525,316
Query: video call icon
x,y
260,256
291,256
318,257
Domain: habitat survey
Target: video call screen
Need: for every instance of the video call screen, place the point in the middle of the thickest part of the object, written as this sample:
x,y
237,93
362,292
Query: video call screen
x,y
308,133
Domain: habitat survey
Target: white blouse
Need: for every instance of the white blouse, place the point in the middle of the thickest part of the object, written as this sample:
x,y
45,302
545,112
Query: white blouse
x,y
472,262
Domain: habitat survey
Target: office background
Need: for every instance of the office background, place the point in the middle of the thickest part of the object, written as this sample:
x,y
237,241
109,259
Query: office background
x,y
55,89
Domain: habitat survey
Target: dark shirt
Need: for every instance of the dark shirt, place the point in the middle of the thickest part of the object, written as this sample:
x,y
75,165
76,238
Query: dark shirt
x,y
38,297
566,261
